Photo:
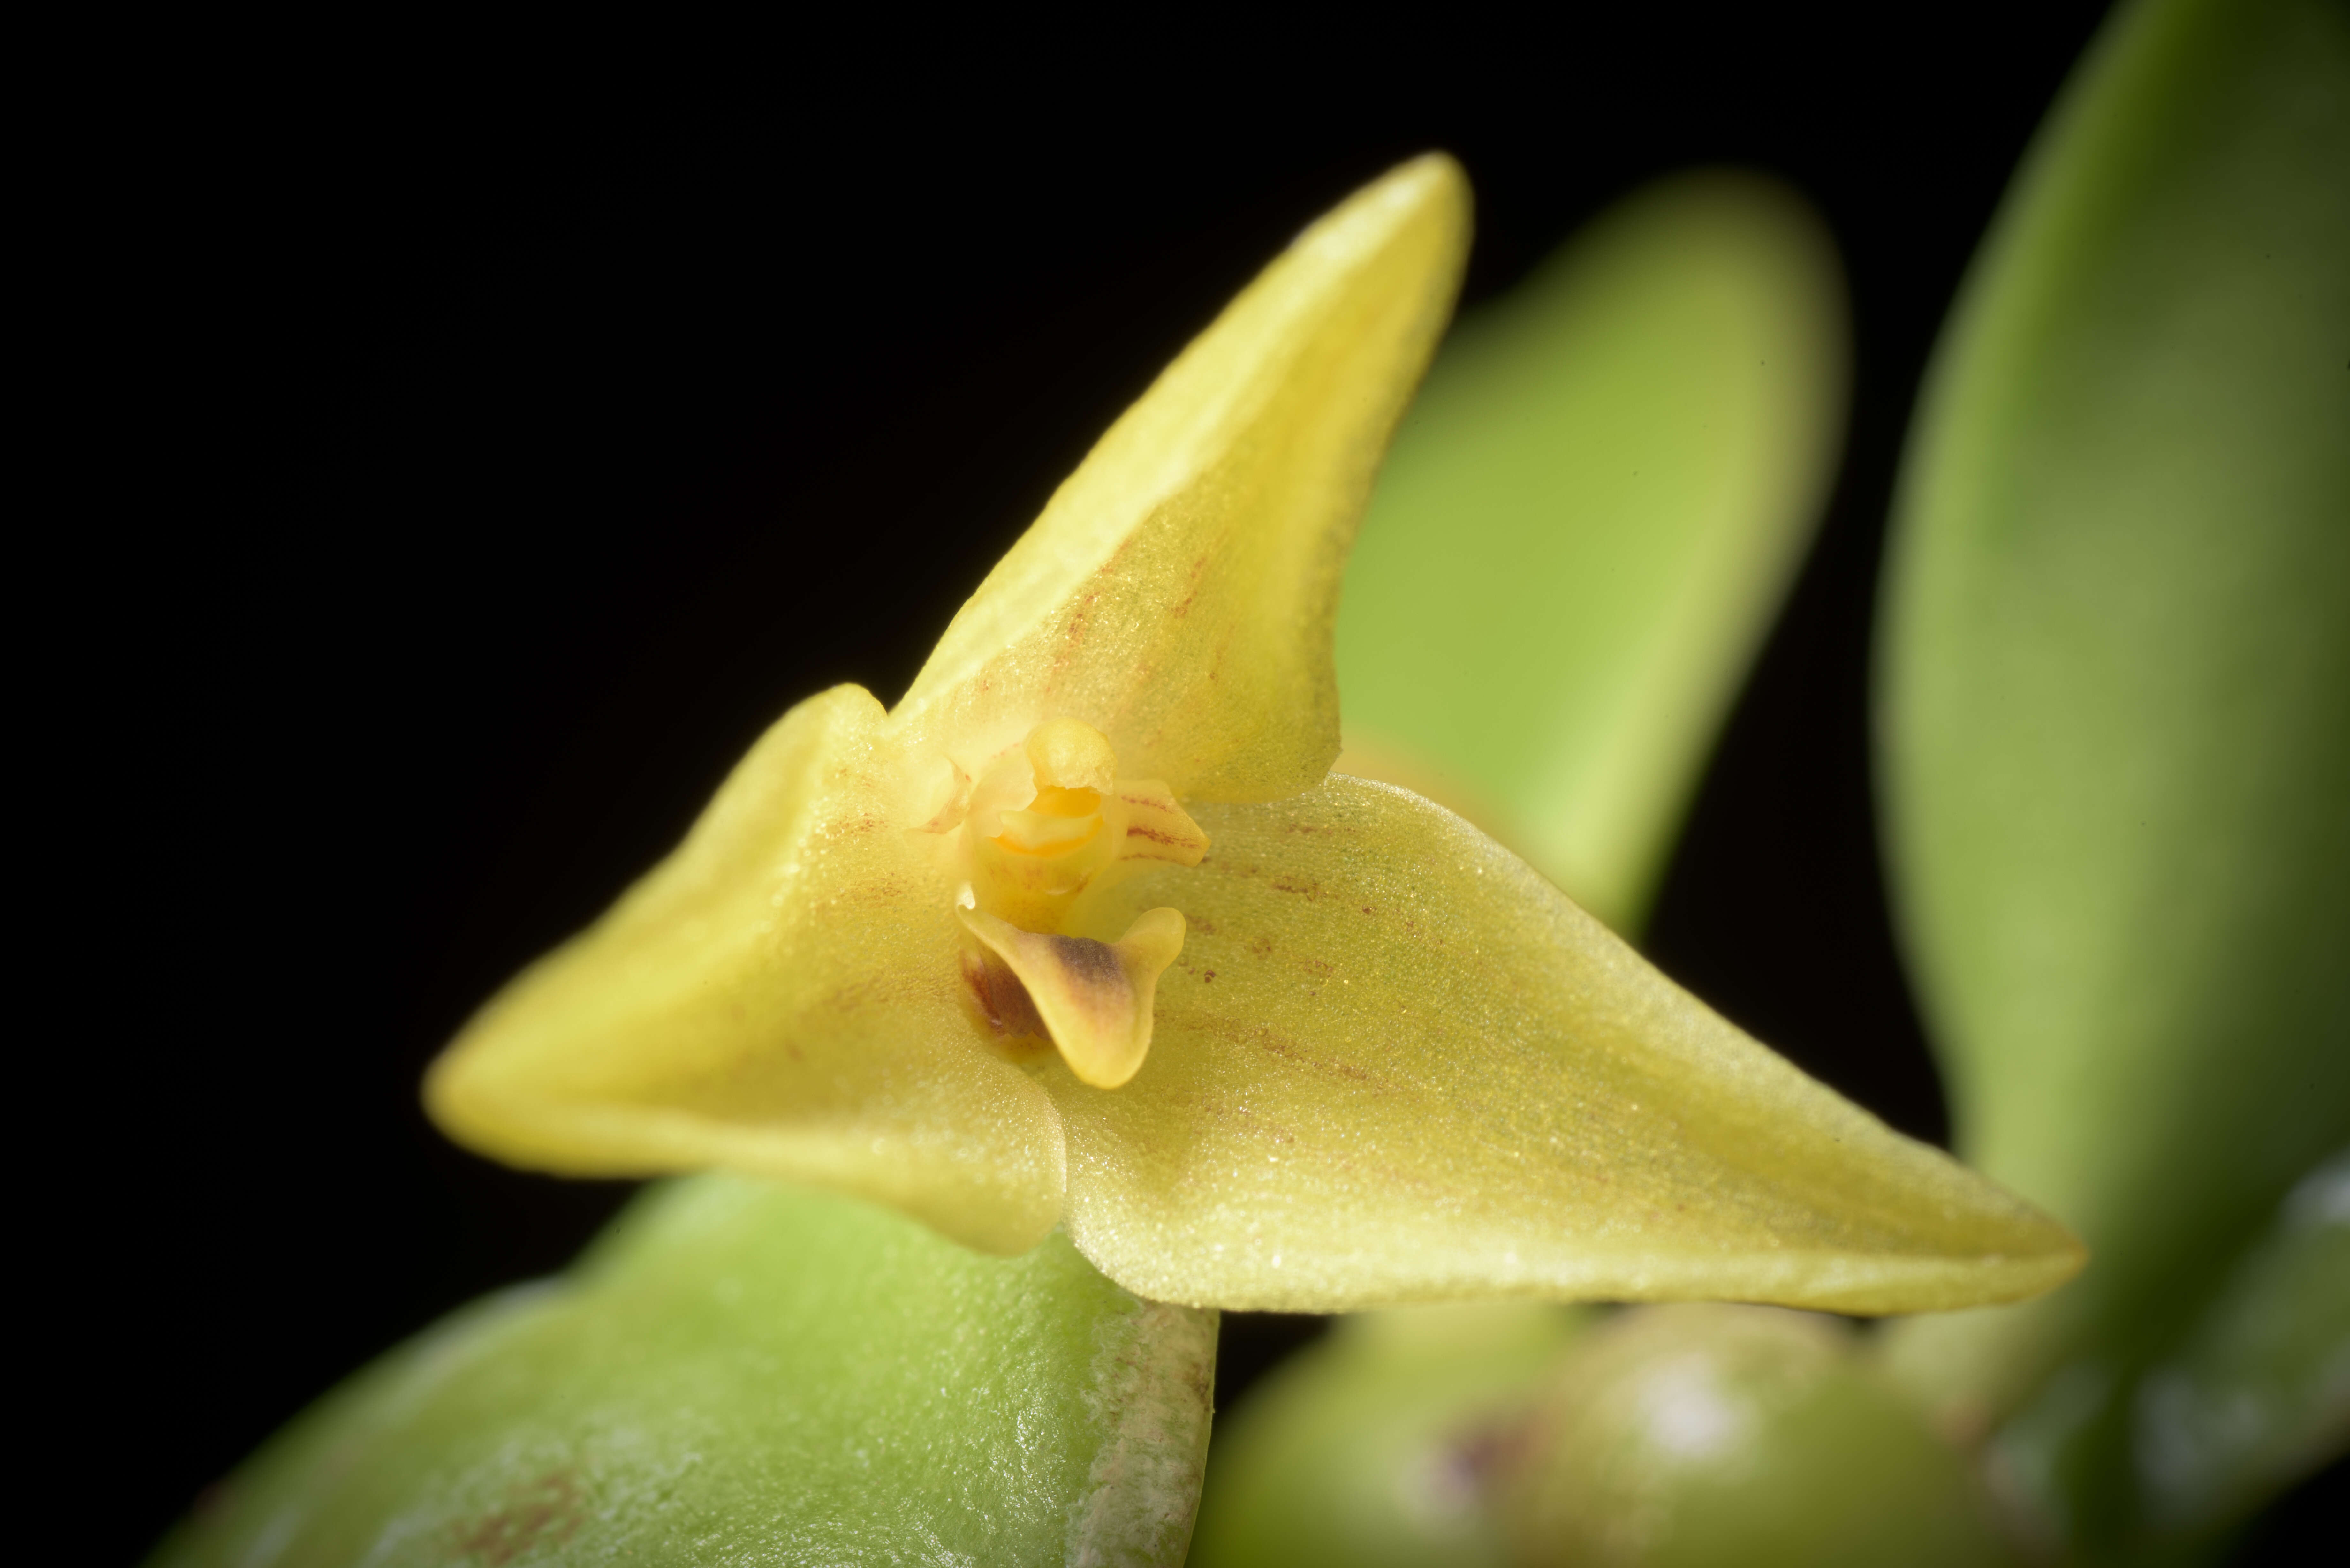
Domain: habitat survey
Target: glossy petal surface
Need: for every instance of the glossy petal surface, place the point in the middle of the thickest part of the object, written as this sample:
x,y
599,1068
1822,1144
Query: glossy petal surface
x,y
1393,1064
780,996
2118,652
1585,522
1177,592
748,1374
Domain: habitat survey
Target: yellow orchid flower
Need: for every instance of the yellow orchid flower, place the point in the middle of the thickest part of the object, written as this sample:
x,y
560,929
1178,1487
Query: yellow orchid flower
x,y
1084,933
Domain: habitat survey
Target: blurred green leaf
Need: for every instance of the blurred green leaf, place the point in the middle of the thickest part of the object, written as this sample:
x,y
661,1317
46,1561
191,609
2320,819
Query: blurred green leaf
x,y
740,1371
1585,522
2160,1463
2117,699
2258,1395
1372,1448
1711,1437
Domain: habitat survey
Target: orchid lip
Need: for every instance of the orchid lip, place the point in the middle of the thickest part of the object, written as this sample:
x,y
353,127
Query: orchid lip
x,y
1032,978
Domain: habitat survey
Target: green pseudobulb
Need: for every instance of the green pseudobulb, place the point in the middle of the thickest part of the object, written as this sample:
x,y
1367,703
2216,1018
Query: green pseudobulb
x,y
1373,1448
745,1372
1720,1437
1503,1437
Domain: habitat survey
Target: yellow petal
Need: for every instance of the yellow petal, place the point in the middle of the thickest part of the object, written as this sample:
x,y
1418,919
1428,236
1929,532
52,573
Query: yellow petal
x,y
1093,997
1178,590
1394,1065
1153,826
780,996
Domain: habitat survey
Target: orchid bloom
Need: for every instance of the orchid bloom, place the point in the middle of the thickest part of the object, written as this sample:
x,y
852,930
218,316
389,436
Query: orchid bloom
x,y
1084,933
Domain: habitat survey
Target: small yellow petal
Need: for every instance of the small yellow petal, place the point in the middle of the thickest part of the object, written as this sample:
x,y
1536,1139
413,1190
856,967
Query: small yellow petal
x,y
1394,1065
1093,997
1153,826
1178,592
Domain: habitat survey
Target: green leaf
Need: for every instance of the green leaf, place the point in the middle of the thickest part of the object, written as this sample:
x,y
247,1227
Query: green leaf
x,y
1372,1448
2160,1461
2258,1395
1585,522
740,1371
2117,671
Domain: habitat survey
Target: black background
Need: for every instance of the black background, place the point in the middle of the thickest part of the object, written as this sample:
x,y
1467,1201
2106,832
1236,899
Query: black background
x,y
473,472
